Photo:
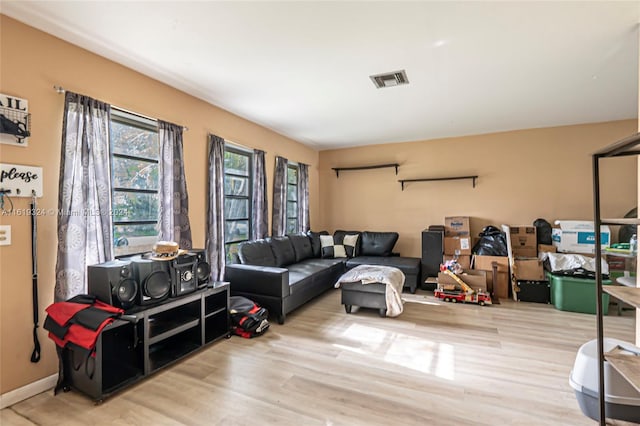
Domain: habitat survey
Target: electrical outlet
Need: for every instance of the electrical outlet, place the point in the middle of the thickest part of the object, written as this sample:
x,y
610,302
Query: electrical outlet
x,y
5,235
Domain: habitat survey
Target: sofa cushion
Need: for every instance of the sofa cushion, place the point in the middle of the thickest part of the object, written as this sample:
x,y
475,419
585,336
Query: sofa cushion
x,y
316,247
283,251
301,246
338,238
256,252
378,243
330,250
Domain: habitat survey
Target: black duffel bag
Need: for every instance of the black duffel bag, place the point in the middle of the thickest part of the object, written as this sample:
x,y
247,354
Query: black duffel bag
x,y
247,318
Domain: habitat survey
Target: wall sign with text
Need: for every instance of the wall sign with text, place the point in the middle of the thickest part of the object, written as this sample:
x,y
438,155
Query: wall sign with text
x,y
15,126
20,180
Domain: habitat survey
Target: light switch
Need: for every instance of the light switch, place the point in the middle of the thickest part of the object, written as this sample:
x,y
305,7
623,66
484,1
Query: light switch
x,y
5,235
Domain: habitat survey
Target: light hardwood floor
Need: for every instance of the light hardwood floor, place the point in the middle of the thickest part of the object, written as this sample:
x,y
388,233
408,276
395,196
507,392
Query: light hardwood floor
x,y
436,364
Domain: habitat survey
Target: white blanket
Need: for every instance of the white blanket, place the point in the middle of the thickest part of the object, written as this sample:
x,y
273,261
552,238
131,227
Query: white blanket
x,y
369,274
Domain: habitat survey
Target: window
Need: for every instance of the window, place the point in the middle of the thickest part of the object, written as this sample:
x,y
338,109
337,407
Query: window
x,y
135,153
237,198
292,199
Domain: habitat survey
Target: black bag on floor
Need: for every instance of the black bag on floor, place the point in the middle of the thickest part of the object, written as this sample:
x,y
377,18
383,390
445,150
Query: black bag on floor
x,y
247,318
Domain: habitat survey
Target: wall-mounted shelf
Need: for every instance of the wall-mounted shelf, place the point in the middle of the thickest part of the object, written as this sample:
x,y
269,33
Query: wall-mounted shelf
x,y
377,166
473,178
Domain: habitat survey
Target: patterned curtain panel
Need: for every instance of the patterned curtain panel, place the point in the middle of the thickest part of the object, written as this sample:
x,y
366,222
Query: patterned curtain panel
x,y
259,207
279,219
303,198
84,194
215,208
174,202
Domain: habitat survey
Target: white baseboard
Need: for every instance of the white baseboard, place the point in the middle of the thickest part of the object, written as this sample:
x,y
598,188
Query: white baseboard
x,y
20,394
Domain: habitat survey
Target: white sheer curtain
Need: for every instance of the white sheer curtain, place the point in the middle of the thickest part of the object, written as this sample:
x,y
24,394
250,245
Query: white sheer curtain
x,y
215,208
259,206
84,197
303,198
279,214
174,201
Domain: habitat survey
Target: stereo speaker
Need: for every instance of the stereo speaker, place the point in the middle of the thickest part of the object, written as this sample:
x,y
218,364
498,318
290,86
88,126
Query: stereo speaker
x,y
183,274
203,270
113,283
154,280
432,251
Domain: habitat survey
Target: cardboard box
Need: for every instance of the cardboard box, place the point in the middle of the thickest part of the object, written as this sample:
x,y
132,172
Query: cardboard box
x,y
464,261
477,280
484,263
528,270
523,240
457,245
547,248
456,226
578,236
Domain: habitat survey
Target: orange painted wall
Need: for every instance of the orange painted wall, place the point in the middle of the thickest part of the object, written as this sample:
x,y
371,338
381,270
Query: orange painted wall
x,y
523,175
32,62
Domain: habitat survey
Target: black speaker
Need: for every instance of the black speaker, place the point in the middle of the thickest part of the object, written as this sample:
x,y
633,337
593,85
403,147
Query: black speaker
x,y
432,251
154,280
113,283
203,270
183,274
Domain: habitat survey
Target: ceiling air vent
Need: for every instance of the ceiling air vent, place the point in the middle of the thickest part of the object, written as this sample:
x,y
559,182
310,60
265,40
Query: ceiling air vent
x,y
390,79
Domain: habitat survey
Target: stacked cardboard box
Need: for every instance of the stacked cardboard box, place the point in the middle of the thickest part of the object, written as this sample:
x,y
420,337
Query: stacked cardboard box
x,y
578,236
499,288
457,239
526,269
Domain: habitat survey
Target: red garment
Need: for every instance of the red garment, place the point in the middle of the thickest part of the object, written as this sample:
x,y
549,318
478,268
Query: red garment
x,y
63,313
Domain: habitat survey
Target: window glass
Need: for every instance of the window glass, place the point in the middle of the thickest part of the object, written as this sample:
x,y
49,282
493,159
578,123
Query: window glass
x,y
237,201
134,182
292,199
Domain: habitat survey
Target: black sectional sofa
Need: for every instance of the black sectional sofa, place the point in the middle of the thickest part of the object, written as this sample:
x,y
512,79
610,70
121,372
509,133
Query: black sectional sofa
x,y
283,273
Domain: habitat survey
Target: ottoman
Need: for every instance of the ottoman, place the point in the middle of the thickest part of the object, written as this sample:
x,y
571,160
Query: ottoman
x,y
410,266
365,296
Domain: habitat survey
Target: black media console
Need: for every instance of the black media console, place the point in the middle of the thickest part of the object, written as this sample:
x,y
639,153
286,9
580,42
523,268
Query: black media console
x,y
128,352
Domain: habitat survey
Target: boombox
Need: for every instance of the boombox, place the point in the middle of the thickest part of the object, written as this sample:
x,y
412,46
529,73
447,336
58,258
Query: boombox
x,y
113,283
141,281
154,280
183,274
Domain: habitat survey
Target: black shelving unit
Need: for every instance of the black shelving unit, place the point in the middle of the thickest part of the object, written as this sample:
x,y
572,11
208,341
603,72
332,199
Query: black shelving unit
x,y
628,367
127,352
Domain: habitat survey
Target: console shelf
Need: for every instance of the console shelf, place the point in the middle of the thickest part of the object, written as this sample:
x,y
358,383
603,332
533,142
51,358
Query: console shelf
x,y
127,352
377,166
473,178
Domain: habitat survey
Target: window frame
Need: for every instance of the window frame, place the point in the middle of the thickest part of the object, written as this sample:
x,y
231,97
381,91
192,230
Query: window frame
x,y
132,119
234,149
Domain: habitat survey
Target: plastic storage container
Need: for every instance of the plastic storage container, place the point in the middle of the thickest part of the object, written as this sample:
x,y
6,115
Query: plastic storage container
x,y
576,294
622,400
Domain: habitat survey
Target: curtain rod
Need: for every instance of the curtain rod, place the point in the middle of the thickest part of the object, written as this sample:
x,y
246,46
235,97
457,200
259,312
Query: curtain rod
x,y
62,90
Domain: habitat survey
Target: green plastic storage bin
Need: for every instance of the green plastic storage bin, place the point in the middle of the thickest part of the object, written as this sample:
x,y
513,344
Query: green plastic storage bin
x,y
576,294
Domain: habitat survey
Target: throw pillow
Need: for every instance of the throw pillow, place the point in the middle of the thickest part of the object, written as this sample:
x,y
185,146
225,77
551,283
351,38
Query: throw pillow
x,y
315,242
331,250
350,242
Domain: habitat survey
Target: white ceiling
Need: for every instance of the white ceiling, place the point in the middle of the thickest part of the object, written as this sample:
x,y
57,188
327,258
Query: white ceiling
x,y
302,68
